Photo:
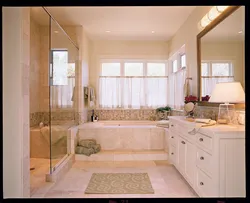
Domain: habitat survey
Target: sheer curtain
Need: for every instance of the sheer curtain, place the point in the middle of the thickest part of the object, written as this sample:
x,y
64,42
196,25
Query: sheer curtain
x,y
132,92
61,95
109,92
208,84
176,89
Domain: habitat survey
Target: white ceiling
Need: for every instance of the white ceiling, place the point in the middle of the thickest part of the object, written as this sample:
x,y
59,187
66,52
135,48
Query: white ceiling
x,y
228,29
124,23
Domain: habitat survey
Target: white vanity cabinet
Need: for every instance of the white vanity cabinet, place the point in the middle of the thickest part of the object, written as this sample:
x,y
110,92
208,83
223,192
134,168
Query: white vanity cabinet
x,y
212,160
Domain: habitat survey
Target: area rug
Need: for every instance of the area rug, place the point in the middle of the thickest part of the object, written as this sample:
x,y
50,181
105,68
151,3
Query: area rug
x,y
119,183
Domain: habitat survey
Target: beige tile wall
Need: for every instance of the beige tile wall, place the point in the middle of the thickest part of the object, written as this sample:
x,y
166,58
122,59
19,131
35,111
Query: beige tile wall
x,y
34,66
39,84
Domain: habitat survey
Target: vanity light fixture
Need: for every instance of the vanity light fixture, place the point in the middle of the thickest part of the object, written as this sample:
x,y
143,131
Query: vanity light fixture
x,y
213,13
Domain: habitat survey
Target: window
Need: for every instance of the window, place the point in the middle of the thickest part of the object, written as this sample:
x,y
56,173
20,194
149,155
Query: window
x,y
213,72
175,67
132,84
177,77
183,61
62,80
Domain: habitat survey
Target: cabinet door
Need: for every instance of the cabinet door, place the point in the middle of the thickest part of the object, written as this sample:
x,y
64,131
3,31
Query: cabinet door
x,y
190,160
172,154
182,154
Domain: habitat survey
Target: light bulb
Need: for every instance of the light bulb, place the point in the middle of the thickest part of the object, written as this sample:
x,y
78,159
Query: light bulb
x,y
205,21
221,8
213,13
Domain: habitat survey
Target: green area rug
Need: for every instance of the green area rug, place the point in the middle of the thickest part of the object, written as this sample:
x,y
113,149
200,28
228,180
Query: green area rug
x,y
119,183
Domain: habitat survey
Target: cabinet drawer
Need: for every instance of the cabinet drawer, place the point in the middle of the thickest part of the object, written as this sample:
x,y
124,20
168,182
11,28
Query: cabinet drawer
x,y
204,142
172,154
204,184
204,161
173,126
173,138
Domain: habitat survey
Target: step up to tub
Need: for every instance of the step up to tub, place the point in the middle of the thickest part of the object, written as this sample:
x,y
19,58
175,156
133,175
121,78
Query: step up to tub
x,y
148,155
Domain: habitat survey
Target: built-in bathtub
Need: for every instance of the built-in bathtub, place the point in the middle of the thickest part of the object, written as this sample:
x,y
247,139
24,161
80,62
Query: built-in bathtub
x,y
125,135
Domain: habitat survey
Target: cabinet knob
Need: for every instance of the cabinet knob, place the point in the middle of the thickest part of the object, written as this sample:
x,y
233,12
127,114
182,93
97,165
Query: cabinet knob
x,y
201,183
201,139
172,125
201,158
172,153
183,142
172,137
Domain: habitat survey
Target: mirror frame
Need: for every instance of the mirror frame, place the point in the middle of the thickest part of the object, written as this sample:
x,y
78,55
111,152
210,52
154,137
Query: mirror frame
x,y
208,28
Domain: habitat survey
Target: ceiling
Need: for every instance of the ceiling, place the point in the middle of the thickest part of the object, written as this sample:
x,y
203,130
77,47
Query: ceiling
x,y
123,23
228,29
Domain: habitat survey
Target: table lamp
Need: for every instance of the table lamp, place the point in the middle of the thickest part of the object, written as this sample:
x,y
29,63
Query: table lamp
x,y
226,93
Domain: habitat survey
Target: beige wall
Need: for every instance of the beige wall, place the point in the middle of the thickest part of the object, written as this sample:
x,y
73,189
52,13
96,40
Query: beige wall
x,y
187,35
225,51
123,49
44,69
34,66
16,65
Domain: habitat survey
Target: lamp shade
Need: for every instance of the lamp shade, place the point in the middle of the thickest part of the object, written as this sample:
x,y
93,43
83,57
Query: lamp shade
x,y
228,92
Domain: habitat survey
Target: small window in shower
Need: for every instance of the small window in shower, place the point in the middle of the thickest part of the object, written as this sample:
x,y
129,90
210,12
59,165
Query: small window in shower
x,y
59,67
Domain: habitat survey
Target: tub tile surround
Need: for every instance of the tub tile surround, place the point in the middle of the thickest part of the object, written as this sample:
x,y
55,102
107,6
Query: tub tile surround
x,y
127,114
212,113
150,114
125,138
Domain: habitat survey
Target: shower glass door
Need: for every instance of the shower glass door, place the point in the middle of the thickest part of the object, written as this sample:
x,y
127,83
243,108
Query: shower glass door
x,y
63,55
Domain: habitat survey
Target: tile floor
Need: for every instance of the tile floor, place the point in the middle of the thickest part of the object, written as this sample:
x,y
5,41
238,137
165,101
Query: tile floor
x,y
37,176
165,179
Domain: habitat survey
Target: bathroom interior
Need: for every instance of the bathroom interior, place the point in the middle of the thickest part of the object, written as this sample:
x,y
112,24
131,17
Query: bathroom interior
x,y
123,106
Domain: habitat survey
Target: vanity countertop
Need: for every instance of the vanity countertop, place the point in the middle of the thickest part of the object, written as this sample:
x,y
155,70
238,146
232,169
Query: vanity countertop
x,y
217,128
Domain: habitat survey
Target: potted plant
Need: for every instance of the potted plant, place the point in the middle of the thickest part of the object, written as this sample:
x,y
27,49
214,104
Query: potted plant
x,y
164,112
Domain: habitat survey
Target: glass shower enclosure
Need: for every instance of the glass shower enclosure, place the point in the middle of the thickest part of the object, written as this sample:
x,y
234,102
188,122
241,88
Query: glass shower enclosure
x,y
63,62
62,57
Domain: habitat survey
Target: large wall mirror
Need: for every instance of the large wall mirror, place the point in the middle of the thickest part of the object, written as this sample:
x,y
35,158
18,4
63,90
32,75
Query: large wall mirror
x,y
221,52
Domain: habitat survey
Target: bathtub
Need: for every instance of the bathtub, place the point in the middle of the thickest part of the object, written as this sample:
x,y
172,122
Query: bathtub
x,y
63,137
125,135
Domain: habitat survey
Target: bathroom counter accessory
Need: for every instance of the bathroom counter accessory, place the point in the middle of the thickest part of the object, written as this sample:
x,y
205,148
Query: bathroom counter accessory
x,y
211,160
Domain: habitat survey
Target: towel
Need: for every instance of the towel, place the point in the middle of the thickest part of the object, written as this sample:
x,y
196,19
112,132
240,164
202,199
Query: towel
x,y
199,125
84,150
186,88
163,123
97,148
73,95
85,92
163,126
87,143
92,94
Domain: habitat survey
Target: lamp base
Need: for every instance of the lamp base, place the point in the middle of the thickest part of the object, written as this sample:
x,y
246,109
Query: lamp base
x,y
226,113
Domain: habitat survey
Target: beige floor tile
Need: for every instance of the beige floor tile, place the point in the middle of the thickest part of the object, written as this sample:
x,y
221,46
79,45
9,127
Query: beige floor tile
x,y
165,179
134,164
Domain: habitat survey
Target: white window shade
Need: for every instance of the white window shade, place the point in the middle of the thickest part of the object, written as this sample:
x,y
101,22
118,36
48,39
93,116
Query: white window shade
x,y
135,86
